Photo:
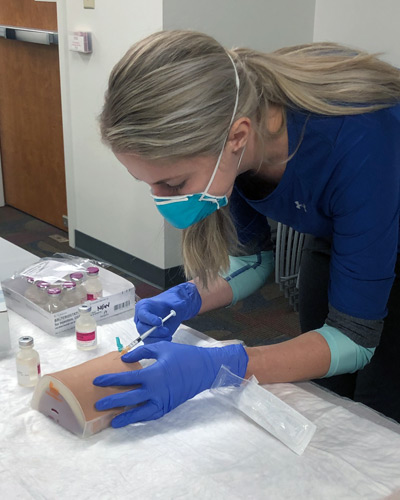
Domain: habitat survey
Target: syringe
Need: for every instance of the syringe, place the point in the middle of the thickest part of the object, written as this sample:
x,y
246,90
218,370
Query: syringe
x,y
130,346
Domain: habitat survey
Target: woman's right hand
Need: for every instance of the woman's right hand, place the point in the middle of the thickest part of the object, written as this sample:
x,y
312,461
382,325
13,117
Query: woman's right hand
x,y
184,299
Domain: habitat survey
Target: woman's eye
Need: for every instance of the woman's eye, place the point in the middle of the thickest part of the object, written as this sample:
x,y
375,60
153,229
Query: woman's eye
x,y
176,188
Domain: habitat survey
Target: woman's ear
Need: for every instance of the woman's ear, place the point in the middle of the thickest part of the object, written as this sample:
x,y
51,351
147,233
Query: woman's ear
x,y
239,134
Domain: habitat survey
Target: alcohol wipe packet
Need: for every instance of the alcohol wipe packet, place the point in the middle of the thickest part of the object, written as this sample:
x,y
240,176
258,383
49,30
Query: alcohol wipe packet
x,y
265,409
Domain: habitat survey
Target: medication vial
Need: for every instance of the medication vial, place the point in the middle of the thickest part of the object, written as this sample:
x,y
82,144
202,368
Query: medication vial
x,y
77,278
36,291
54,303
70,297
41,293
86,329
94,288
30,292
28,363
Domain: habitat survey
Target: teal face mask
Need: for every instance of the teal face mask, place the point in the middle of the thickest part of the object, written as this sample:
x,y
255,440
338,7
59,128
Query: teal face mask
x,y
184,210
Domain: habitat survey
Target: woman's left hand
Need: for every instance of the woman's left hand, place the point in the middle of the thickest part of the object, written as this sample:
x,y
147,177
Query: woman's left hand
x,y
179,373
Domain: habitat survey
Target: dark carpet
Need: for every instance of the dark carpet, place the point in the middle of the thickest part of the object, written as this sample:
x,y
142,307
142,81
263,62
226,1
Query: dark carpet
x,y
263,318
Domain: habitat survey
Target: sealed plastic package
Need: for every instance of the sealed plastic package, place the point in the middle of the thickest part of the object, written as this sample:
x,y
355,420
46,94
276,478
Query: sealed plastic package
x,y
264,408
26,292
68,396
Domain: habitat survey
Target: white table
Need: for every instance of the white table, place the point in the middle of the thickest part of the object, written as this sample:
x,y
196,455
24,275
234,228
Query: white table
x,y
200,450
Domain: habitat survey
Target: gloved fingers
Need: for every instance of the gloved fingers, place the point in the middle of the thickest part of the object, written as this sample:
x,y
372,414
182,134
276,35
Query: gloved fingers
x,y
128,398
145,319
143,352
162,333
149,411
134,377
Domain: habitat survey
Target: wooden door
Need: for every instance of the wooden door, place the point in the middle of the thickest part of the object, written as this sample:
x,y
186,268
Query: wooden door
x,y
31,140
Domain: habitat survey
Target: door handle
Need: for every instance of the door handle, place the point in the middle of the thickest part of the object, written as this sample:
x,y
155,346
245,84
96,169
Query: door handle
x,y
29,35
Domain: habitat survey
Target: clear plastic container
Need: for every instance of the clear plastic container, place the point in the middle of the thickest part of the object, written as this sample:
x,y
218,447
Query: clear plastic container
x,y
54,303
94,288
77,278
28,363
86,329
70,297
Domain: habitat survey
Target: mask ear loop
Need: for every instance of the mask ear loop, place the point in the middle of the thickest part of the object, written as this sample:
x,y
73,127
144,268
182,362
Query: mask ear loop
x,y
241,156
237,81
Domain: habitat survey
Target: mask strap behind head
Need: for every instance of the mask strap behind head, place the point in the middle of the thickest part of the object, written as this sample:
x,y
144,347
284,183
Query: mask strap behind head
x,y
237,81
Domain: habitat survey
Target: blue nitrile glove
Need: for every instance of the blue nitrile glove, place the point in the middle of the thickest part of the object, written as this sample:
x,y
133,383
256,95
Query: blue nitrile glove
x,y
180,372
184,299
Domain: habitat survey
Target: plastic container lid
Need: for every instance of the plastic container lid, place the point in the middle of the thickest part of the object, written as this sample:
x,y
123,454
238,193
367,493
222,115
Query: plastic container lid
x,y
54,291
25,341
91,271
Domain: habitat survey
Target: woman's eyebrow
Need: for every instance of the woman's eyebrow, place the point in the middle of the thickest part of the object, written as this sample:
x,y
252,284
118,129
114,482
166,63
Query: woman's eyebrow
x,y
164,181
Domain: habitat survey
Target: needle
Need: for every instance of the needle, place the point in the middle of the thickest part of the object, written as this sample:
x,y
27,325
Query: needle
x,y
135,342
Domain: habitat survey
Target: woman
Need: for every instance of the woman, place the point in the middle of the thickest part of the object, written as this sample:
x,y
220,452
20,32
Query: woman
x,y
308,136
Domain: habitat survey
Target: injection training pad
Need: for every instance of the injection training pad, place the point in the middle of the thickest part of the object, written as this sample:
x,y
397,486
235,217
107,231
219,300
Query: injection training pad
x,y
68,396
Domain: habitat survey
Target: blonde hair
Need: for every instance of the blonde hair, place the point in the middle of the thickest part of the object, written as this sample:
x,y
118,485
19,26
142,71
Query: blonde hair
x,y
172,96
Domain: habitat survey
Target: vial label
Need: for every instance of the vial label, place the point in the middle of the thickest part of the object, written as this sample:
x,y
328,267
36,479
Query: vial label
x,y
93,296
24,376
27,374
85,337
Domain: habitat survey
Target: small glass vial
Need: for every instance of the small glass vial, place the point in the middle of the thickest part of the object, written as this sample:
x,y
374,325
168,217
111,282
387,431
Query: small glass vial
x,y
77,278
28,363
69,297
36,291
94,288
41,293
54,303
86,329
30,291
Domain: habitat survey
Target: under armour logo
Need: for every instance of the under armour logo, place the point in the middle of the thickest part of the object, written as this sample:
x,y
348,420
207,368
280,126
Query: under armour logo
x,y
299,206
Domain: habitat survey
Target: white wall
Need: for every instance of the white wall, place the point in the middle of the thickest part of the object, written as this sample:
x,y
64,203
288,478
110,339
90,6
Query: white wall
x,y
259,24
371,25
103,200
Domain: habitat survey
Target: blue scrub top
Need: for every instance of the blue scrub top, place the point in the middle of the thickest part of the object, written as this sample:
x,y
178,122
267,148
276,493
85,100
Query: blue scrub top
x,y
342,182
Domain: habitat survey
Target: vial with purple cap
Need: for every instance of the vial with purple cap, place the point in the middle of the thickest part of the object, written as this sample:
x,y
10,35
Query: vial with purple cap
x,y
77,278
37,291
70,297
30,290
54,303
94,288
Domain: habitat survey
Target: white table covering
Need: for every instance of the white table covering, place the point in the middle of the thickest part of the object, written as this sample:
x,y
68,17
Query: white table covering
x,y
202,449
